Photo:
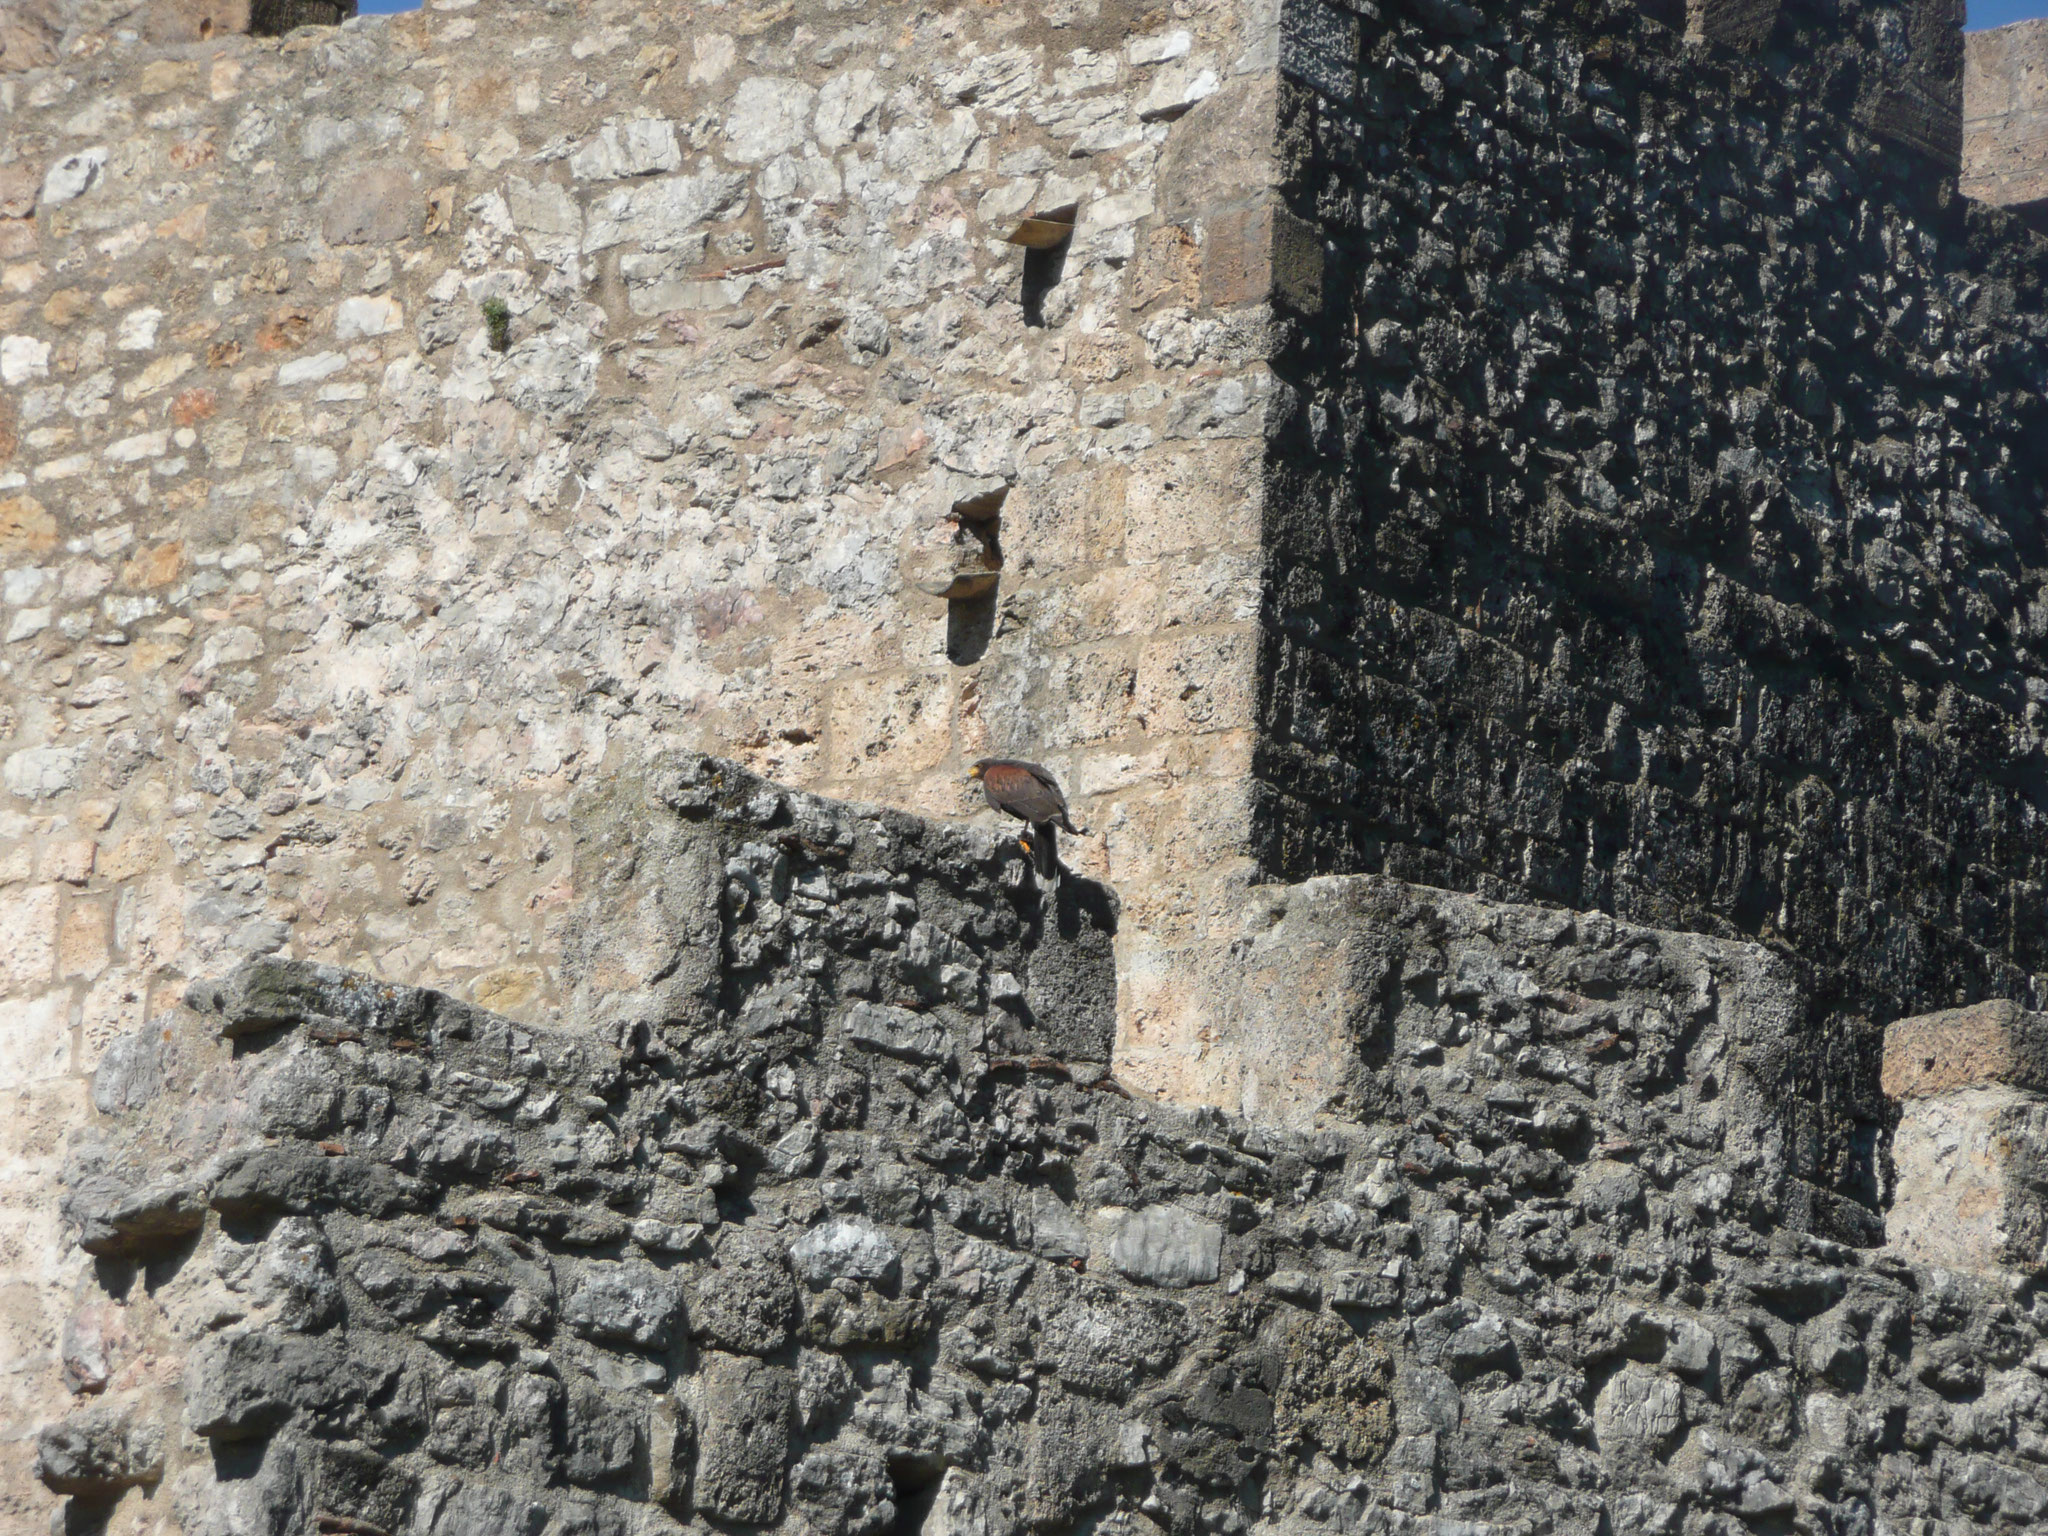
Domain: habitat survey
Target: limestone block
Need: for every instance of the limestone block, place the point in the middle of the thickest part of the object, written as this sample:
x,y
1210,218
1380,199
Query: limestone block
x,y
897,1032
367,315
29,35
1186,500
844,1493
769,116
73,176
1990,1042
1237,256
23,358
1200,683
1916,97
370,207
241,1386
1640,1411
1319,46
901,723
1970,1153
2005,114
26,526
749,1305
1743,24
19,185
99,1451
846,106
846,1249
1971,1180
194,21
28,916
625,1304
35,1038
1175,89
637,148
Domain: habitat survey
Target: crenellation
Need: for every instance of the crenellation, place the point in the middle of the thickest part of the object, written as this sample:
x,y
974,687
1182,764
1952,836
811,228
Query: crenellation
x,y
2002,139
755,1244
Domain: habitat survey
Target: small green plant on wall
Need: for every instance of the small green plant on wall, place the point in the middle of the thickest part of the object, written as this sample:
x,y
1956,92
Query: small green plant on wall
x,y
498,322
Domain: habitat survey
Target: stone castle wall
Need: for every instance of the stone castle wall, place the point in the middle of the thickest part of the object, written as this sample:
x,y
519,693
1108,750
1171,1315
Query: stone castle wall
x,y
2005,134
318,607
410,430
1660,530
814,1236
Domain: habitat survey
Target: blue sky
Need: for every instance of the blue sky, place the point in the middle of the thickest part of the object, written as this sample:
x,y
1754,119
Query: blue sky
x,y
1983,13
386,7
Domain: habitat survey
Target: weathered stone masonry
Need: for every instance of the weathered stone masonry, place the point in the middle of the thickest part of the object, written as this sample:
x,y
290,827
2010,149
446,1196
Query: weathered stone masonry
x,y
813,1234
1543,452
318,609
1660,526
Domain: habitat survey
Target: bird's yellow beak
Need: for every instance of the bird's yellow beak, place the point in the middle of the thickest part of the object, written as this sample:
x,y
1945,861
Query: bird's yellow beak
x,y
974,772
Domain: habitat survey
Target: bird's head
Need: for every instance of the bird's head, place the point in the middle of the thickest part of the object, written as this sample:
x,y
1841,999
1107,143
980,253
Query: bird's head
x,y
979,768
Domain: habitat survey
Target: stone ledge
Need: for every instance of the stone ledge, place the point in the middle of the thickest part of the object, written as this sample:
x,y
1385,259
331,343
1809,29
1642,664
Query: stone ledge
x,y
1990,1042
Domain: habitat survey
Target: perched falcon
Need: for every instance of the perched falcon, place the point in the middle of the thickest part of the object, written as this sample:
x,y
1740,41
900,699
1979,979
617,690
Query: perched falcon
x,y
1027,792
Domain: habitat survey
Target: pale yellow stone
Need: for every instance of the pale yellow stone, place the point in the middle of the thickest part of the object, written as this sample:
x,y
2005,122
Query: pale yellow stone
x,y
122,861
161,374
29,919
82,941
35,1038
150,927
1197,683
508,989
26,526
1180,502
891,725
114,1006
161,75
70,861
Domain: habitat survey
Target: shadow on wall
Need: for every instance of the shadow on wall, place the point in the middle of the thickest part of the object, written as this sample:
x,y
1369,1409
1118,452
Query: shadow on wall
x,y
274,18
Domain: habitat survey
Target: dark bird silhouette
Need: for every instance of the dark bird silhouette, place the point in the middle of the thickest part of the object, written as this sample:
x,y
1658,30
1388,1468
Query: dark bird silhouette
x,y
1032,795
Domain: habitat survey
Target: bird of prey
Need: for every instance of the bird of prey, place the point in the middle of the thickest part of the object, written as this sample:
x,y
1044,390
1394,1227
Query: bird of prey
x,y
1032,795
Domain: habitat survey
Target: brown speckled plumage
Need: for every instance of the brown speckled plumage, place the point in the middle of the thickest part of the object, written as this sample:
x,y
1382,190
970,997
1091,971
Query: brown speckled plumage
x,y
1031,794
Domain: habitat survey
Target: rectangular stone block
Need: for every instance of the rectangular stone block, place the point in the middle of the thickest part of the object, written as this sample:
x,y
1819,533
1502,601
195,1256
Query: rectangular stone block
x,y
1974,1047
2005,114
1969,1190
1237,263
1971,1147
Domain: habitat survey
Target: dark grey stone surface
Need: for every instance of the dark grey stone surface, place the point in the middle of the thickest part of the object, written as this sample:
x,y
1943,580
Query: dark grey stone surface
x,y
1658,528
1548,1270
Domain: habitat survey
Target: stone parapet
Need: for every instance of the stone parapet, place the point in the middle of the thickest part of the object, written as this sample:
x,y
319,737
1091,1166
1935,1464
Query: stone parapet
x,y
1583,591
1895,70
809,1224
1970,1152
1513,448
2005,117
